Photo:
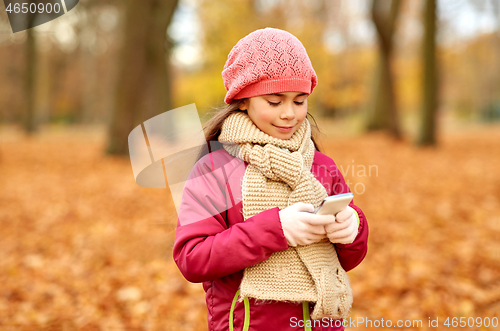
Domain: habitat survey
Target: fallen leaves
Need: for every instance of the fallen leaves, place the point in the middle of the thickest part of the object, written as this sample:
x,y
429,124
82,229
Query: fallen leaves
x,y
85,248
434,218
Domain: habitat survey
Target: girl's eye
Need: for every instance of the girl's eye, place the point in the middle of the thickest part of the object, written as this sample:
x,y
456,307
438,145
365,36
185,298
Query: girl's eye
x,y
275,104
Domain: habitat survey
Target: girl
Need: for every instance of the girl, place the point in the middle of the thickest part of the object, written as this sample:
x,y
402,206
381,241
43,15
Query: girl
x,y
246,226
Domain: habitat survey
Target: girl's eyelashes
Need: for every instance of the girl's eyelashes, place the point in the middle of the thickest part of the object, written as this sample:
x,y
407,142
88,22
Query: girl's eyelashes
x,y
275,104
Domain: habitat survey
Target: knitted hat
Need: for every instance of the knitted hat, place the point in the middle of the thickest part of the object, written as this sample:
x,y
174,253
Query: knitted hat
x,y
267,61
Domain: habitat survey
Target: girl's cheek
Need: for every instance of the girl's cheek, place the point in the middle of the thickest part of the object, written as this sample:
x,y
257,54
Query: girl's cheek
x,y
302,115
266,117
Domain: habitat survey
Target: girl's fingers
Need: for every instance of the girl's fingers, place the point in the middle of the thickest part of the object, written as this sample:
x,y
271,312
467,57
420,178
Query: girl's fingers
x,y
319,219
303,207
334,227
343,233
340,234
312,238
318,229
344,215
348,240
316,237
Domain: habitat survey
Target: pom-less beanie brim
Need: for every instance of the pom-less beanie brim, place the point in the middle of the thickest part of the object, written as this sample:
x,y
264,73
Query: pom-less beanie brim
x,y
271,86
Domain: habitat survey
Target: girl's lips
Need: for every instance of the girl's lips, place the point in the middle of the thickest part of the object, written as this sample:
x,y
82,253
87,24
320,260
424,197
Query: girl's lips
x,y
284,128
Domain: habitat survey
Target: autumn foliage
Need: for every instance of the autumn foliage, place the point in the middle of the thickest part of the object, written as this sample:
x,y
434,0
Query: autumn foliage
x,y
83,247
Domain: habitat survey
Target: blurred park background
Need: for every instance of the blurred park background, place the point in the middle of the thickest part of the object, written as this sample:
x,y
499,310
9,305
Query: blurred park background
x,y
409,87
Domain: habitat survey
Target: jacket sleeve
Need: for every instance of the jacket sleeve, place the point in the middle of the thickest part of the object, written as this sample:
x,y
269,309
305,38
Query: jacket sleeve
x,y
205,247
350,255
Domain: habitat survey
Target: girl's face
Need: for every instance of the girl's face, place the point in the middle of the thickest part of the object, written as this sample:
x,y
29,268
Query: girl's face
x,y
279,115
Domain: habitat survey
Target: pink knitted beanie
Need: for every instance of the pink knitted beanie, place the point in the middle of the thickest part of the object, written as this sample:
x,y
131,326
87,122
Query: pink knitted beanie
x,y
267,61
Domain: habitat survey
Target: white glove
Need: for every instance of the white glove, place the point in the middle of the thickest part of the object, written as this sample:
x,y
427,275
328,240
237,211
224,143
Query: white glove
x,y
301,226
345,228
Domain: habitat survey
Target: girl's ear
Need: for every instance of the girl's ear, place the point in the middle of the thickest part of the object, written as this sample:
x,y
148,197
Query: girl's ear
x,y
243,104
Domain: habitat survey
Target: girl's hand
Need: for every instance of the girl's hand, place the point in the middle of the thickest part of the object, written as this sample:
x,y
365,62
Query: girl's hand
x,y
301,226
345,229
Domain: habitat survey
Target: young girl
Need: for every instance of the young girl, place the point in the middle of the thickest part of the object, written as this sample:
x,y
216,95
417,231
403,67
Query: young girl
x,y
246,226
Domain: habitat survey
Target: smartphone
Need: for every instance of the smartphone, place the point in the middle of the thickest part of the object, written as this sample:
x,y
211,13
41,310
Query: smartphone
x,y
333,204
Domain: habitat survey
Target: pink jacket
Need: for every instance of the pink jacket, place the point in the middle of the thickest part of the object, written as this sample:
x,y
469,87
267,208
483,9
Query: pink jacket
x,y
214,245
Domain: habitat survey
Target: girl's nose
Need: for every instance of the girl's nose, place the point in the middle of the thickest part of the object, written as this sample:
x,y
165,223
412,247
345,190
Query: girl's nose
x,y
288,112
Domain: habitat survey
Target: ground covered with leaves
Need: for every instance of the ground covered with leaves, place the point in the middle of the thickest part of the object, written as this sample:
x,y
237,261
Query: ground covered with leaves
x,y
84,247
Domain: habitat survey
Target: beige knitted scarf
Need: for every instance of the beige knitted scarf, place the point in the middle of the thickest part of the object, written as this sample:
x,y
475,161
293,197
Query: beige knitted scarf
x,y
278,175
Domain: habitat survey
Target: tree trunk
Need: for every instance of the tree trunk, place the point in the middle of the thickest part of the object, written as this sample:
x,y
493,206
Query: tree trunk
x,y
430,80
143,57
496,53
159,50
130,76
29,119
382,113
